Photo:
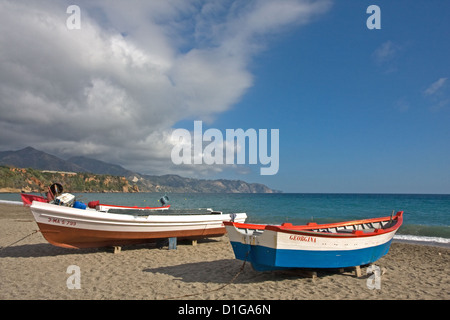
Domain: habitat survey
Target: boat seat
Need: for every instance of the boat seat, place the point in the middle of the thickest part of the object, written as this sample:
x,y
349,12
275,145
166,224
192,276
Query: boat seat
x,y
388,224
345,230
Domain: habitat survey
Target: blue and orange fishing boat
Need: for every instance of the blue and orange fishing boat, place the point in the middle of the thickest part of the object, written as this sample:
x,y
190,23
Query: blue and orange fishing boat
x,y
333,245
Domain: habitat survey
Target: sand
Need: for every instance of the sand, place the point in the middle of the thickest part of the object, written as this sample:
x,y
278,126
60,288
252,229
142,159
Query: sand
x,y
34,269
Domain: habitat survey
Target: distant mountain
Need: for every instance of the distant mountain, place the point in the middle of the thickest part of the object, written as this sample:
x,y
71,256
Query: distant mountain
x,y
175,183
32,158
100,167
35,159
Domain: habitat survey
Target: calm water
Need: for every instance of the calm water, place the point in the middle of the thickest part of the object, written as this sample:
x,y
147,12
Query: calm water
x,y
426,217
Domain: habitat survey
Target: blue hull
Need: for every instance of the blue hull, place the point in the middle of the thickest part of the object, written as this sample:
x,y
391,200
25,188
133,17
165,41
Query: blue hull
x,y
264,258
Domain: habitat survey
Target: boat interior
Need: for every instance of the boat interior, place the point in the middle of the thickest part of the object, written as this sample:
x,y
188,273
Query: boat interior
x,y
356,227
143,212
365,227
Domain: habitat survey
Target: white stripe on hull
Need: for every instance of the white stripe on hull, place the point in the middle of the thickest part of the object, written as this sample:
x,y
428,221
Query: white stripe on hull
x,y
289,241
51,214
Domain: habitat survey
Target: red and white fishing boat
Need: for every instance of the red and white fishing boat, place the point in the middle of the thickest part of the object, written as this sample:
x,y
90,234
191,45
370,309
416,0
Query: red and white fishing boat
x,y
27,199
52,191
334,245
71,227
56,189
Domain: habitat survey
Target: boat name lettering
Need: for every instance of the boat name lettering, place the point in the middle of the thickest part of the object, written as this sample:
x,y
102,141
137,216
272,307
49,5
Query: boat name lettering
x,y
302,238
62,221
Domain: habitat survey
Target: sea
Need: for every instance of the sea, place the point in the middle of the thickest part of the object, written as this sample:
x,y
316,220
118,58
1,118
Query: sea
x,y
426,218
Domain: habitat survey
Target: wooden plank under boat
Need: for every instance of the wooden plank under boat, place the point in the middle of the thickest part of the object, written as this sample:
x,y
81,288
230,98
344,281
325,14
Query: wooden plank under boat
x,y
71,227
334,245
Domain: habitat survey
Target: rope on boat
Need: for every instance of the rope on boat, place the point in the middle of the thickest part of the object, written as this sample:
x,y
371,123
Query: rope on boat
x,y
217,289
28,235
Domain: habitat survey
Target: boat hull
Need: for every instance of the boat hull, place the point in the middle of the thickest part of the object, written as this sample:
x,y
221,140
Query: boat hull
x,y
278,248
84,238
266,258
75,228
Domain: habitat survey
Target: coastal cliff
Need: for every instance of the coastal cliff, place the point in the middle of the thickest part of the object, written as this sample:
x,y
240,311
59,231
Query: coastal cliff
x,y
32,170
31,180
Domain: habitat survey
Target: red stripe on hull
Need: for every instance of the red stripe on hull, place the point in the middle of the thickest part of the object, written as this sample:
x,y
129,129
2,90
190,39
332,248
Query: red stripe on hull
x,y
82,238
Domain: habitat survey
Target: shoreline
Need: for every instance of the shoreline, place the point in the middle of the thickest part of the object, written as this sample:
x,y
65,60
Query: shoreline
x,y
423,243
34,269
406,241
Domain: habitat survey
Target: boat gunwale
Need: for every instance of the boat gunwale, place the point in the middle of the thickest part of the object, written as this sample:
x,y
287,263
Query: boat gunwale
x,y
306,229
118,207
102,217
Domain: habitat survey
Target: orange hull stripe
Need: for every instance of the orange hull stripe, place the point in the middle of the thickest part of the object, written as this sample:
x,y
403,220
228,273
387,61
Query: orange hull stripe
x,y
82,238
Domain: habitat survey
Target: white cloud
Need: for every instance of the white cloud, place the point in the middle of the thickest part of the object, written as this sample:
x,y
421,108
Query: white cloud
x,y
437,95
386,56
435,86
115,88
402,105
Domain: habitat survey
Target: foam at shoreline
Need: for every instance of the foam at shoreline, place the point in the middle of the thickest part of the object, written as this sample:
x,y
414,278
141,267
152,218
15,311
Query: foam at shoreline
x,y
423,240
18,203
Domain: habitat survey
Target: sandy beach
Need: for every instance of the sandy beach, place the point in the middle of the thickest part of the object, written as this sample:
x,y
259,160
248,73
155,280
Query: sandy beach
x,y
34,269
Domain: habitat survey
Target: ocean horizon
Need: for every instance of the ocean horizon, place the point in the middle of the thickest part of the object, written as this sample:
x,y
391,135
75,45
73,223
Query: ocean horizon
x,y
426,216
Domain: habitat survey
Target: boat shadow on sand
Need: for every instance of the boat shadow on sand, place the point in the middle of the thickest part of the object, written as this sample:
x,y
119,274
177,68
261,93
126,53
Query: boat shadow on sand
x,y
222,271
227,271
41,250
44,249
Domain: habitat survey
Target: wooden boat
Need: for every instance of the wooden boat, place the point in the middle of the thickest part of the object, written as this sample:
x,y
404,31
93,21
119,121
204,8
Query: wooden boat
x,y
334,245
70,227
27,199
52,191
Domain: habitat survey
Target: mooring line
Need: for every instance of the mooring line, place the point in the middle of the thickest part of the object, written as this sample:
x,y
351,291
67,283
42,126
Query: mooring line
x,y
28,235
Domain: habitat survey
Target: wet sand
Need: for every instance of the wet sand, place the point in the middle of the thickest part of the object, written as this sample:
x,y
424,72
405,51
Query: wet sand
x,y
34,269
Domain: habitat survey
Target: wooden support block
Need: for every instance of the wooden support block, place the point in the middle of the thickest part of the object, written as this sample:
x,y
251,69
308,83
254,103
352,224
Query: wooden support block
x,y
194,242
306,273
117,249
172,243
358,271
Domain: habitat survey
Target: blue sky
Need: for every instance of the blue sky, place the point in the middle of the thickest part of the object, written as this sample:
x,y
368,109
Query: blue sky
x,y
357,110
352,103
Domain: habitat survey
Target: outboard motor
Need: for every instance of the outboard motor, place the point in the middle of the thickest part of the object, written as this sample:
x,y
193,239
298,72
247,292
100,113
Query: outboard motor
x,y
164,200
53,191
56,189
